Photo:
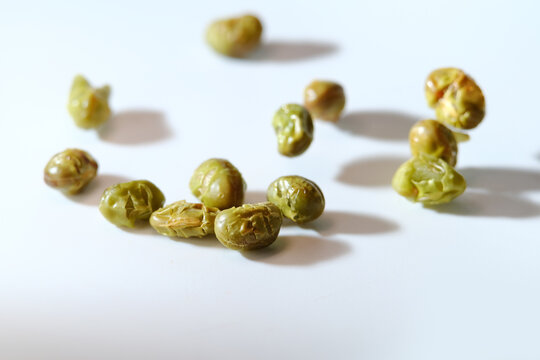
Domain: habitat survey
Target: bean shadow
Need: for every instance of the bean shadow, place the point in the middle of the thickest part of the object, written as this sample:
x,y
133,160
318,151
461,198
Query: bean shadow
x,y
496,192
288,222
292,50
505,180
141,228
340,222
484,204
299,251
135,127
372,171
144,228
91,194
209,241
252,197
378,124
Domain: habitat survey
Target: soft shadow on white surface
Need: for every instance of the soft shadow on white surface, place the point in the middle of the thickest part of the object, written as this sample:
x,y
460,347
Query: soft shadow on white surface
x,y
340,222
209,241
371,171
507,180
292,50
299,251
378,124
91,194
288,222
496,192
335,222
141,228
489,205
135,127
252,197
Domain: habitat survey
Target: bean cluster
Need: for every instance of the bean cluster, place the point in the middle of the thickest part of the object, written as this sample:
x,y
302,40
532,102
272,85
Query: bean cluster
x,y
428,177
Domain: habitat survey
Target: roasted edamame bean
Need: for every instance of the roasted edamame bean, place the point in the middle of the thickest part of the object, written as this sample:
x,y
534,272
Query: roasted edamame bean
x,y
457,99
248,227
217,183
433,138
235,37
324,100
184,219
428,180
298,198
294,129
125,204
88,106
70,170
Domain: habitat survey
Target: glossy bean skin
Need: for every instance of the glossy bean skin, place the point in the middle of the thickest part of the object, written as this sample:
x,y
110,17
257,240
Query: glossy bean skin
x,y
184,219
129,203
428,180
235,37
248,227
70,171
218,183
298,198
457,99
88,106
433,138
324,100
293,126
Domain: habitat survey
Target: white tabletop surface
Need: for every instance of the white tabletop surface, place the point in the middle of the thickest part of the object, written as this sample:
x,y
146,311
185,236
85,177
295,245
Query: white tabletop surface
x,y
376,277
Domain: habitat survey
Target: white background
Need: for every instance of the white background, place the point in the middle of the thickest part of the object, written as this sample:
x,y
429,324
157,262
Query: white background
x,y
376,277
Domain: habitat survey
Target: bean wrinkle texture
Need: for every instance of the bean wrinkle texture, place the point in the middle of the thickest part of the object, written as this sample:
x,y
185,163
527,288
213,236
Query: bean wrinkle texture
x,y
298,198
294,129
428,180
129,203
457,99
184,219
248,227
